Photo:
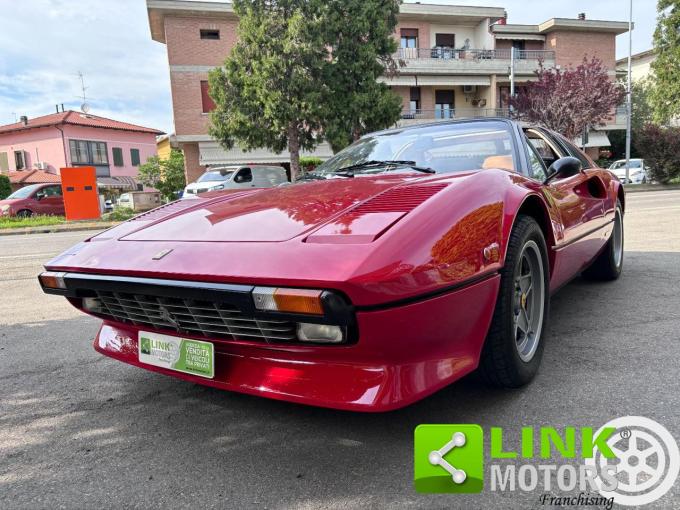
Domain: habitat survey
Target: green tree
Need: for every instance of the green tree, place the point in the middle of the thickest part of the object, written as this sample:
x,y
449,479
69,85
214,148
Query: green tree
x,y
359,34
269,93
166,175
5,188
665,96
642,115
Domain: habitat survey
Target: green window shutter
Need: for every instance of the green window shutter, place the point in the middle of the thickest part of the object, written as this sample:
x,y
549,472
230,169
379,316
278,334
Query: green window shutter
x,y
117,156
134,157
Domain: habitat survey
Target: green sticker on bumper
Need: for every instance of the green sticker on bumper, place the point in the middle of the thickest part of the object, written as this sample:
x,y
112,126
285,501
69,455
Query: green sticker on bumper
x,y
180,354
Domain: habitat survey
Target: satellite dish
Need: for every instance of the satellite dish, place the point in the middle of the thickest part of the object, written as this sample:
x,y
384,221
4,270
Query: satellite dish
x,y
85,107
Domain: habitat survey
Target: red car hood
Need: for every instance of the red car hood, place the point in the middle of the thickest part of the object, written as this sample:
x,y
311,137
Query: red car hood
x,y
267,215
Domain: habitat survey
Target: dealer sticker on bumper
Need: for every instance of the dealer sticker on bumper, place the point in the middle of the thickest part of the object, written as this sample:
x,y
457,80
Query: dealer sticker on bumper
x,y
181,354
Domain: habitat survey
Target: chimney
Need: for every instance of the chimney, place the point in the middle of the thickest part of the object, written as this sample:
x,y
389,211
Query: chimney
x,y
24,120
582,16
57,106
62,107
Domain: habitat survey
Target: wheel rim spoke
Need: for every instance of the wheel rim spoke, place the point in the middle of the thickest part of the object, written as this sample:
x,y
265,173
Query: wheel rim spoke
x,y
529,301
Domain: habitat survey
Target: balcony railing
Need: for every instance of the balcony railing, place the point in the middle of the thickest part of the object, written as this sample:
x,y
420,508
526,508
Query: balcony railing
x,y
474,55
417,116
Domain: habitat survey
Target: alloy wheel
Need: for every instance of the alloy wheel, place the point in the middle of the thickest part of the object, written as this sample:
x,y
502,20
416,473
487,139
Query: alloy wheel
x,y
529,301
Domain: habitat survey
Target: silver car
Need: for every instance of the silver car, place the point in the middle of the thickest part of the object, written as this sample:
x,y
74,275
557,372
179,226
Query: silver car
x,y
638,171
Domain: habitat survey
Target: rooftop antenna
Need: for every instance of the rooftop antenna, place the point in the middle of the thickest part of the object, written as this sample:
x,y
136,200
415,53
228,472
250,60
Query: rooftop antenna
x,y
84,106
16,119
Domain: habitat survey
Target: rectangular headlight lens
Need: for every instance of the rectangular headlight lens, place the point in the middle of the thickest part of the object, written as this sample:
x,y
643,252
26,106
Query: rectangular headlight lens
x,y
321,333
288,300
52,280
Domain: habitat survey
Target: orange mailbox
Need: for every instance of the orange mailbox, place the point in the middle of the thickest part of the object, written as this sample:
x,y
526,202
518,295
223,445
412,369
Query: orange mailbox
x,y
81,199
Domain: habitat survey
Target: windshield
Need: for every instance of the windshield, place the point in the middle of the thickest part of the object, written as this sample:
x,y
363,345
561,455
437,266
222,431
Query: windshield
x,y
23,192
622,164
215,175
443,148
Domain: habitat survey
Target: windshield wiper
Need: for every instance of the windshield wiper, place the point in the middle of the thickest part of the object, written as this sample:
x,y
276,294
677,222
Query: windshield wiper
x,y
348,171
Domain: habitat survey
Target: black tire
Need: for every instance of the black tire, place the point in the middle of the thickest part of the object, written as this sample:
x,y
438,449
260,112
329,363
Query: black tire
x,y
501,363
608,264
25,213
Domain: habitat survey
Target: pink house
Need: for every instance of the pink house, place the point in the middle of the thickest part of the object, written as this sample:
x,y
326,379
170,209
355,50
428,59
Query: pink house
x,y
70,138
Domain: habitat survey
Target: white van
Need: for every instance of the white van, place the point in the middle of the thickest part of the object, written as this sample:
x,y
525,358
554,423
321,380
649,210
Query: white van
x,y
236,177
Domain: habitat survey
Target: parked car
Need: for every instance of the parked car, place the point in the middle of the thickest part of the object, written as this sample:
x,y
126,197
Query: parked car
x,y
638,171
235,177
414,257
44,199
140,201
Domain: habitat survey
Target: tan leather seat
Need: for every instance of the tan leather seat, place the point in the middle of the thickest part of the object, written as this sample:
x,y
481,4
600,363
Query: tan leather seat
x,y
503,162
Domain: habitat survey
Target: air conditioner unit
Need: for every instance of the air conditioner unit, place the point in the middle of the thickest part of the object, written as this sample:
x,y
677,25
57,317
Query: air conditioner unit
x,y
41,165
469,89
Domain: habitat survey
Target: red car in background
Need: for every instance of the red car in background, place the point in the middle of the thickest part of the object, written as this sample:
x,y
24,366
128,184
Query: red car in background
x,y
404,262
42,199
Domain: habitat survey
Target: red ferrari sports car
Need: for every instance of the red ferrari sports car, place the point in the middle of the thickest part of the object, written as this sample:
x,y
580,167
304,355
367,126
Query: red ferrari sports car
x,y
404,262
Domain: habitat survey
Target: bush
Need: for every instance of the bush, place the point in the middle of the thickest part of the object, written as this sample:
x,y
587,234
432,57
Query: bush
x,y
119,214
308,163
660,148
5,189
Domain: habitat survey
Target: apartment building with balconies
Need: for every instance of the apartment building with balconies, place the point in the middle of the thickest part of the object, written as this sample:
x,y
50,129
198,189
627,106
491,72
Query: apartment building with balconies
x,y
455,63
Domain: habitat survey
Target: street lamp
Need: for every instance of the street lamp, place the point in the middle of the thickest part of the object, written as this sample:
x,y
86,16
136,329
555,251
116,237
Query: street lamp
x,y
629,95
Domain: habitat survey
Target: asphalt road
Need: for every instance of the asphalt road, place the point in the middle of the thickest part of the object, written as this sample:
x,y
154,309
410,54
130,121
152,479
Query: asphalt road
x,y
78,430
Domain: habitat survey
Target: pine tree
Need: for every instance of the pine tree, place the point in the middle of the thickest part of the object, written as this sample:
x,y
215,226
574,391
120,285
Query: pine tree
x,y
270,91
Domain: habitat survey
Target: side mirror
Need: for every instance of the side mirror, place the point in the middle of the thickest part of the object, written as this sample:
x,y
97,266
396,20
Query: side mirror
x,y
238,179
563,168
39,196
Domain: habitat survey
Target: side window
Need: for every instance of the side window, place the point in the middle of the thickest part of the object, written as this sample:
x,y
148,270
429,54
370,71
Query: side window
x,y
573,151
244,175
52,191
545,149
538,170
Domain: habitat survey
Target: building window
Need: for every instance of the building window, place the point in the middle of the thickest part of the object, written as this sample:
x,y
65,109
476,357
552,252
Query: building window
x,y
134,157
207,33
117,156
206,100
444,104
84,152
19,160
445,40
409,37
414,103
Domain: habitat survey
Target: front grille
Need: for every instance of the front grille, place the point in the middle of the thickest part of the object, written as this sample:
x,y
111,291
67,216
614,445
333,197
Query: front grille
x,y
208,318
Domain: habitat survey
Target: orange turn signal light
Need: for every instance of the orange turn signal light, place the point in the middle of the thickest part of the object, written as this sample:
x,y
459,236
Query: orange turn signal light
x,y
306,301
52,280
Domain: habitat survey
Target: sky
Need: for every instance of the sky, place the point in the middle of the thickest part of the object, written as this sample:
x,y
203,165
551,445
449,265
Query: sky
x,y
126,73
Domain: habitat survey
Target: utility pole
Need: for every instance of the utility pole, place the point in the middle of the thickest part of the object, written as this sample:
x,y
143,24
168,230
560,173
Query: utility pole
x,y
629,116
512,77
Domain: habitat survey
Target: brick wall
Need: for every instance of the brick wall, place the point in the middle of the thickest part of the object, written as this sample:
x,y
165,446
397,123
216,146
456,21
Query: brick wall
x,y
570,47
185,46
192,168
186,103
423,32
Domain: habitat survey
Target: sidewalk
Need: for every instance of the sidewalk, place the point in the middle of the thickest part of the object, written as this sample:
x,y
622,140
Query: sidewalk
x,y
634,188
67,227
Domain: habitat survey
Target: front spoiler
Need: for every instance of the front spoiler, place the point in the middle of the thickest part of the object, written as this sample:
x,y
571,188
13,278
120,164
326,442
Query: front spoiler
x,y
403,354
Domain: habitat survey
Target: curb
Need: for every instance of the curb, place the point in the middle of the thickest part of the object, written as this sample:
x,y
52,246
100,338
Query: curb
x,y
53,229
641,188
